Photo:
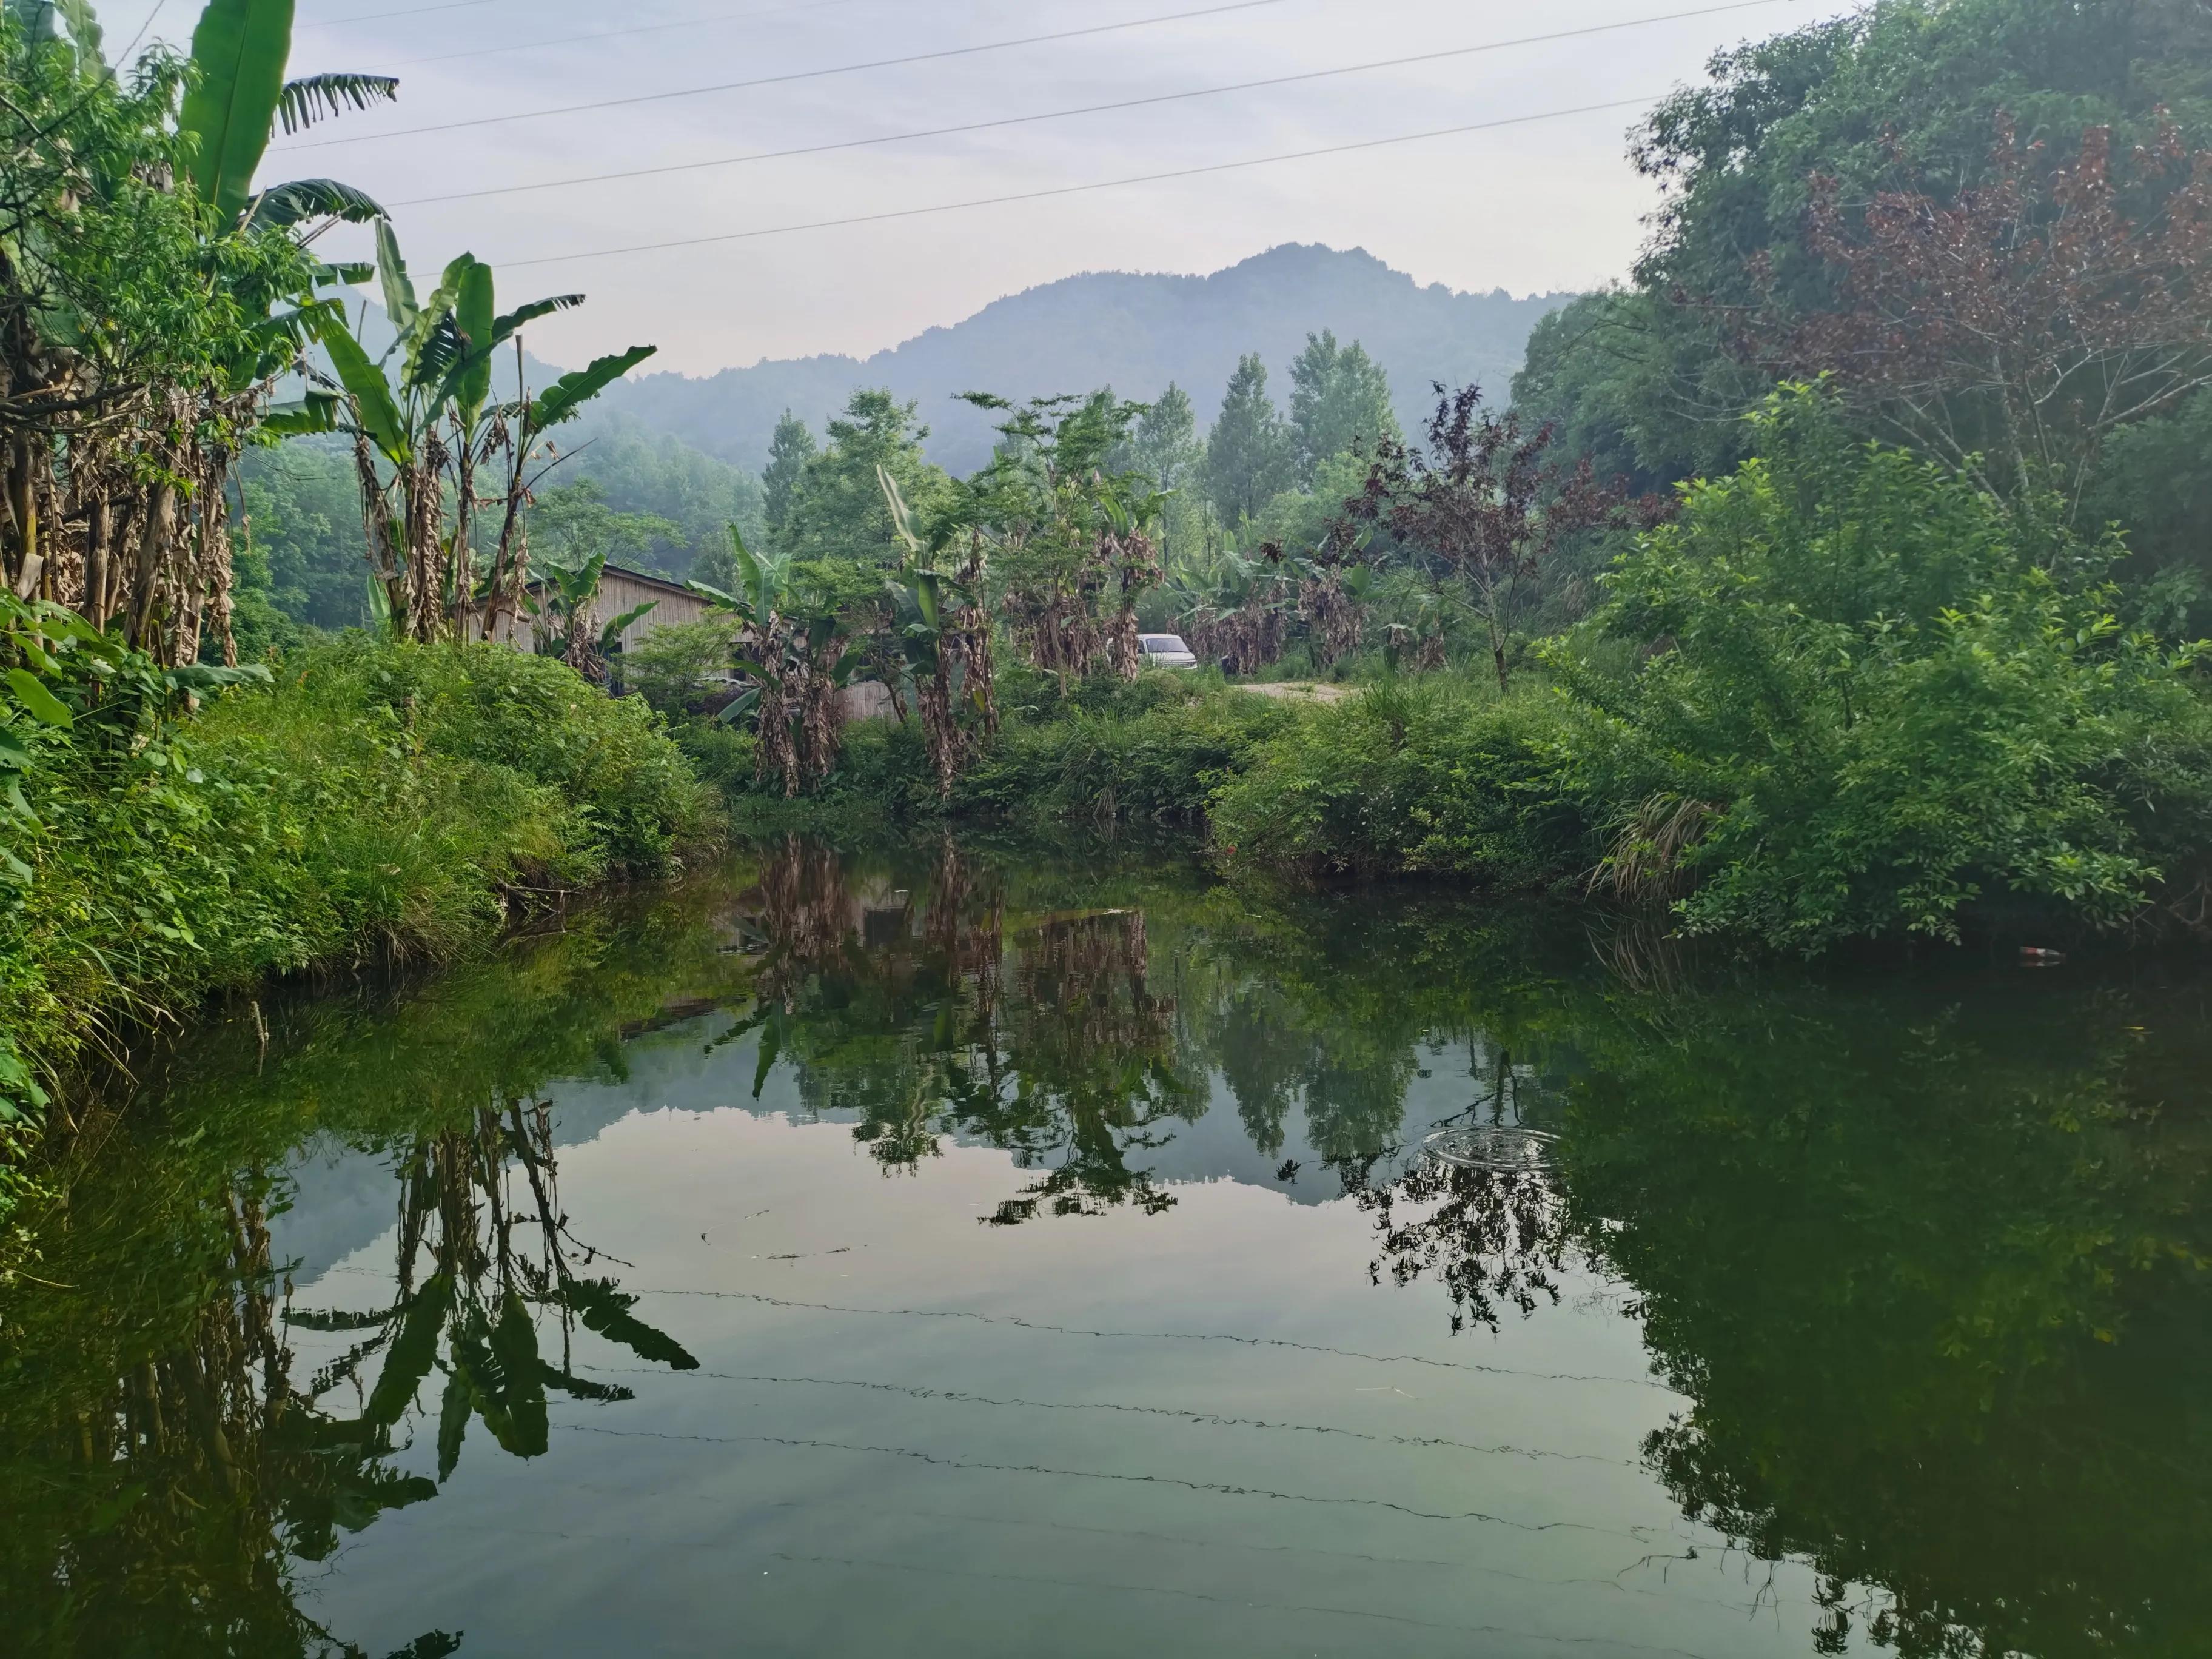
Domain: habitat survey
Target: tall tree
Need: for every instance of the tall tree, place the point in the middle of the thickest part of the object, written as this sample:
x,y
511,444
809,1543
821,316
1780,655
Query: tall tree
x,y
1248,453
1894,99
1340,400
1164,445
788,453
837,510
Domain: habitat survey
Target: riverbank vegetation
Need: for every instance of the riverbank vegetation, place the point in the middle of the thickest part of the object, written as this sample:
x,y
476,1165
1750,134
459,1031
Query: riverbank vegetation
x,y
195,793
1824,583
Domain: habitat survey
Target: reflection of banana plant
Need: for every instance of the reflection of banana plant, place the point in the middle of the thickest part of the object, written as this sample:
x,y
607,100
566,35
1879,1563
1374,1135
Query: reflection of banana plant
x,y
475,1317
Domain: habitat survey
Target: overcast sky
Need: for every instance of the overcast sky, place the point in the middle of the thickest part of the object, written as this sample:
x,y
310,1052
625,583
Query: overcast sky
x,y
1551,204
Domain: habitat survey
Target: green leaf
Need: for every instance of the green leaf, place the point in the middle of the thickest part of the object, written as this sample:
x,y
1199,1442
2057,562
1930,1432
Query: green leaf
x,y
503,327
312,98
514,1345
472,314
316,412
573,390
283,205
412,1353
452,1422
239,53
605,1308
371,393
392,273
39,702
771,1044
583,1387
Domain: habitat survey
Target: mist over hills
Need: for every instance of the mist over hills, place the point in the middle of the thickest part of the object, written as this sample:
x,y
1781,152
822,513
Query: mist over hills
x,y
1135,333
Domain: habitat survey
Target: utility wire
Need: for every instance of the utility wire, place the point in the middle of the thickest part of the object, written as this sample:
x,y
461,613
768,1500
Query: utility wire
x,y
609,34
1087,109
1076,190
378,16
797,74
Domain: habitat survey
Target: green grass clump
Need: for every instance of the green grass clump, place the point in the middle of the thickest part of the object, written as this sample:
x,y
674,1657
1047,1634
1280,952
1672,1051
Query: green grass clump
x,y
1430,776
379,801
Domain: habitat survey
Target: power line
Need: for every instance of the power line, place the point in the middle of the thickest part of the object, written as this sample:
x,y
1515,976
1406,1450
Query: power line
x,y
378,16
609,34
1077,190
1088,109
797,74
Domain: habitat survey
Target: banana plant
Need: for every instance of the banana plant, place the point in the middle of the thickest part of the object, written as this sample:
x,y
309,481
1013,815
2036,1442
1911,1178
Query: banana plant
x,y
566,607
237,98
790,655
430,413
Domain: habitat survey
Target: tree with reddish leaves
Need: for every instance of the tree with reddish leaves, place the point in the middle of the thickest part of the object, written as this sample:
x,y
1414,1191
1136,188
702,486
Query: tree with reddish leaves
x,y
2011,329
1481,499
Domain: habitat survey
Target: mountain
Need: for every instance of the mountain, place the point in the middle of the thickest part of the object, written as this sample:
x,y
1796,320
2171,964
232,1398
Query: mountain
x,y
1131,332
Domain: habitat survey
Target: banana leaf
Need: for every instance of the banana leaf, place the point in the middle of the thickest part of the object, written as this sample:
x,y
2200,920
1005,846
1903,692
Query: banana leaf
x,y
239,52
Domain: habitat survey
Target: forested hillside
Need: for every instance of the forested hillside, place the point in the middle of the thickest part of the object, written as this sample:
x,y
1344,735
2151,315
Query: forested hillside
x,y
1134,332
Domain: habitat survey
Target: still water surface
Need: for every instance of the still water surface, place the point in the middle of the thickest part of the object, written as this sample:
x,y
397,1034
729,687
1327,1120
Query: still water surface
x,y
936,1255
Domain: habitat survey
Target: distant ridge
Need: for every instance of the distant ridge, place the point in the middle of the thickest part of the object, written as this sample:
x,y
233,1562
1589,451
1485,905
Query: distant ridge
x,y
1135,333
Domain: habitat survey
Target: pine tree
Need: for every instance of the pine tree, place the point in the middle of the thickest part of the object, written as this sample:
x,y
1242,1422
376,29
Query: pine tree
x,y
837,510
1340,399
1248,453
788,453
1164,445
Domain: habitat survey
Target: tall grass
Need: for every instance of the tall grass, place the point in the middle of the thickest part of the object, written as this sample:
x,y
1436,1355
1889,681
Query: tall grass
x,y
379,801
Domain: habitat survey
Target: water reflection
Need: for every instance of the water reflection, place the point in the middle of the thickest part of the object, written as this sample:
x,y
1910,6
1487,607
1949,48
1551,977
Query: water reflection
x,y
1927,1259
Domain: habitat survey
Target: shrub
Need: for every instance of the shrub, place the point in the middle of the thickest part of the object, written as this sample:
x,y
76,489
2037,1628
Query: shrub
x,y
1871,695
379,799
1153,752
1426,775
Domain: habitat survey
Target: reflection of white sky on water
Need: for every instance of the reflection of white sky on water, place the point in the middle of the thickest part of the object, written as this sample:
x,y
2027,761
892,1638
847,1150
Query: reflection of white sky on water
x,y
856,1504
344,1199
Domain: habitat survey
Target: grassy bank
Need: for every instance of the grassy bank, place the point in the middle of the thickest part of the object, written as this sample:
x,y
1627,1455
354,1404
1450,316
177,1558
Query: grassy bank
x,y
376,801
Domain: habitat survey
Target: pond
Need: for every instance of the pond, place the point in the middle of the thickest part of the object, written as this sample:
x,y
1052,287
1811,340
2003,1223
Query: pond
x,y
937,1253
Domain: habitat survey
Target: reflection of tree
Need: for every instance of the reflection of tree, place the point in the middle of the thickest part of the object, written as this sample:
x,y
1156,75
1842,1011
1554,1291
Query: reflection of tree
x,y
164,1464
495,1261
1937,1288
210,1466
1937,1284
157,1509
1490,1236
926,1009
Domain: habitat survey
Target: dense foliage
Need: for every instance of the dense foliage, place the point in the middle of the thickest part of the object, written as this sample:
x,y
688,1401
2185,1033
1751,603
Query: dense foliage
x,y
376,800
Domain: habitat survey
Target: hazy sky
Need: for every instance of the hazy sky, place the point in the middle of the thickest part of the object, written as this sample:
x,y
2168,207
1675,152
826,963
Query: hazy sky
x,y
1549,204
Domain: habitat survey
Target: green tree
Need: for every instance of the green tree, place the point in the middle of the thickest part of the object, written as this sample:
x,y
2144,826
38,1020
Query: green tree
x,y
1164,445
1248,452
1866,697
1903,96
300,511
574,524
788,451
837,510
653,473
1340,400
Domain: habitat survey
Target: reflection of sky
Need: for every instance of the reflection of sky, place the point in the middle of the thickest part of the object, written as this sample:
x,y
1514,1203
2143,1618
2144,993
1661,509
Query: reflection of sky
x,y
1199,1433
347,1198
